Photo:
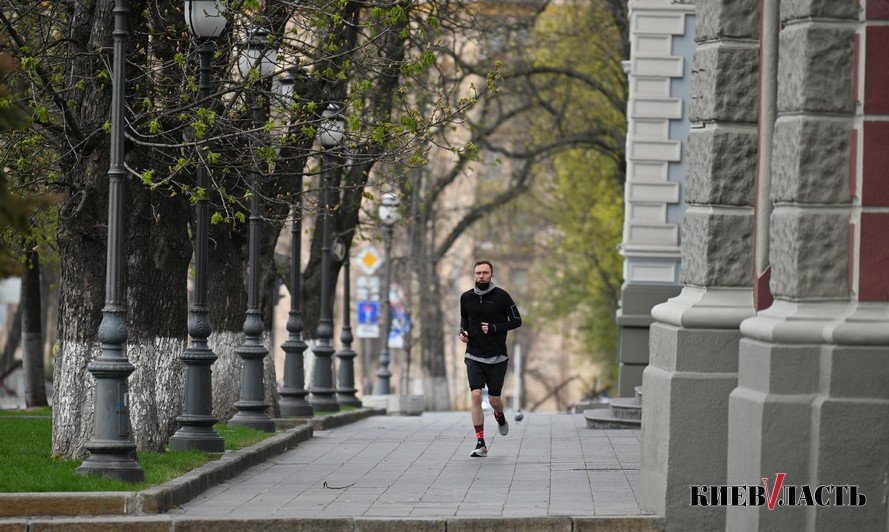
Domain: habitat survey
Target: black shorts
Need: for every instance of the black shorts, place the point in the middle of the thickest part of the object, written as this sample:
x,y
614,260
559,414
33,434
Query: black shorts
x,y
481,374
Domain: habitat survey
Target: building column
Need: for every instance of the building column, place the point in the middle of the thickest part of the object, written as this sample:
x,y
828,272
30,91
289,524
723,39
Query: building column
x,y
813,387
694,341
662,45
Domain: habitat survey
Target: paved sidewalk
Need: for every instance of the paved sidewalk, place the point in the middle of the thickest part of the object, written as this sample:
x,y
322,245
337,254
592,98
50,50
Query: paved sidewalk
x,y
548,465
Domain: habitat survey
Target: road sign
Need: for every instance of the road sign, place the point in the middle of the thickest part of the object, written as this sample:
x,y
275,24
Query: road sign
x,y
369,260
368,287
367,331
368,312
368,317
401,325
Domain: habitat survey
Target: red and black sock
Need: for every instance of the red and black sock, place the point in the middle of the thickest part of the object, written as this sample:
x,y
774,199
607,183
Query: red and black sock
x,y
480,433
499,417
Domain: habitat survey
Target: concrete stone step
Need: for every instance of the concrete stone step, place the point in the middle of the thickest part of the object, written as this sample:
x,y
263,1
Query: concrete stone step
x,y
626,408
638,390
602,419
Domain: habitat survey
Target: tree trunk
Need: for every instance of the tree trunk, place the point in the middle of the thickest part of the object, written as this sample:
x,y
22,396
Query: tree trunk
x,y
49,308
13,340
32,338
81,238
436,388
157,260
435,375
156,256
228,302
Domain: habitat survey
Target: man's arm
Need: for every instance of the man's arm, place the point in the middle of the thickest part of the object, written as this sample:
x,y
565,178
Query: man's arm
x,y
513,318
464,323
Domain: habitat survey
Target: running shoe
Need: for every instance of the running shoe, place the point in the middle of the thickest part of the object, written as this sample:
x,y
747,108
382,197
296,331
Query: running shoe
x,y
502,424
480,451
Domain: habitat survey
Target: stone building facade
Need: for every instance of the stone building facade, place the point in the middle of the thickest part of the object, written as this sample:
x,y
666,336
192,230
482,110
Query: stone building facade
x,y
774,358
662,45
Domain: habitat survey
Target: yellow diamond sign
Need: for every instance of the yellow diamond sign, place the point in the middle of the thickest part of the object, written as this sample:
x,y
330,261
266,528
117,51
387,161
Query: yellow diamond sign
x,y
369,260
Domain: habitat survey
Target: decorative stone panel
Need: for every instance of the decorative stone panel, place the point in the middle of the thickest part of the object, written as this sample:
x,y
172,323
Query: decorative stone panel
x,y
809,253
810,162
723,82
815,68
796,9
717,247
721,165
718,19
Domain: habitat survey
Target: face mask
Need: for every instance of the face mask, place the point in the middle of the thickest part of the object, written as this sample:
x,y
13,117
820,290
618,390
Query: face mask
x,y
482,286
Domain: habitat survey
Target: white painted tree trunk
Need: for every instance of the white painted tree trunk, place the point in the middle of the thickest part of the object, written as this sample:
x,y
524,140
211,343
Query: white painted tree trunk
x,y
157,391
72,402
155,388
227,374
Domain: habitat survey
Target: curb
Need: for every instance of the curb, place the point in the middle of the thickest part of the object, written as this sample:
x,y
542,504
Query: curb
x,y
344,418
161,498
360,524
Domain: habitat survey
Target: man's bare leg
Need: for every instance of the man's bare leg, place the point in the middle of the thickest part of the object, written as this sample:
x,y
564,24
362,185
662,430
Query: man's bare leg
x,y
478,417
496,403
478,422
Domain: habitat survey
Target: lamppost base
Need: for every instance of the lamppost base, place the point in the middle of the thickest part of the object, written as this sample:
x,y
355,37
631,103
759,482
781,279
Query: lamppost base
x,y
291,407
324,400
253,415
347,398
201,438
114,466
383,386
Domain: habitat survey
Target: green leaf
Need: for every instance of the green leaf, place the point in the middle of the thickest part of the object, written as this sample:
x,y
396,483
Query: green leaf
x,y
148,177
216,218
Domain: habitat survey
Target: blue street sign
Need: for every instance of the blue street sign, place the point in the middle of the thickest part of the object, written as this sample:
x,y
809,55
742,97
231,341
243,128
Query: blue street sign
x,y
368,312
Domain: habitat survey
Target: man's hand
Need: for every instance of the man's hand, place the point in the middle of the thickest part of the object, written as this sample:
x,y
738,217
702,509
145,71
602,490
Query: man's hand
x,y
484,327
463,337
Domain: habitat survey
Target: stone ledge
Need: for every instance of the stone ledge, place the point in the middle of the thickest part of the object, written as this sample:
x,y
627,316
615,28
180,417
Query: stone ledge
x,y
161,498
636,523
344,418
66,503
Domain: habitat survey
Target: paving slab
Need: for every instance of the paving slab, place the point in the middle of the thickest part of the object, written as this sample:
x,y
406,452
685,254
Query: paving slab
x,y
549,466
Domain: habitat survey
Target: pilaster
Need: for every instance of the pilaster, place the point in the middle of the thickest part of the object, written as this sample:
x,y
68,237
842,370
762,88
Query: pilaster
x,y
694,342
662,45
813,388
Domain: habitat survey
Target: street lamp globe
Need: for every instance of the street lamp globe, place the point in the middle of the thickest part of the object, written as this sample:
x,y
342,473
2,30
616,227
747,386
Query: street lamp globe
x,y
333,127
258,53
205,18
388,211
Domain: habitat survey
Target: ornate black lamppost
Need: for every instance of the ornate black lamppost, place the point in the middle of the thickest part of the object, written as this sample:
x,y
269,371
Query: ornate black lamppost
x,y
389,216
293,395
112,449
252,406
345,377
206,21
330,132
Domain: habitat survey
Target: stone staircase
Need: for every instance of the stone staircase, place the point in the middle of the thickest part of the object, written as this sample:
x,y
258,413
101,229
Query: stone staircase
x,y
622,413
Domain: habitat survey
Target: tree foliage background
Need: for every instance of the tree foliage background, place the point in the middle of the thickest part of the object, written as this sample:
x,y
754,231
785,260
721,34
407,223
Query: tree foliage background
x,y
533,89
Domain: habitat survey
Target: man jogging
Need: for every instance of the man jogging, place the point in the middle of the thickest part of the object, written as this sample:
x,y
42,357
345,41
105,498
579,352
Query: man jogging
x,y
487,312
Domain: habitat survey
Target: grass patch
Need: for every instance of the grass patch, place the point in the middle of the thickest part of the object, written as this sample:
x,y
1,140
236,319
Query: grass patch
x,y
26,464
237,437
